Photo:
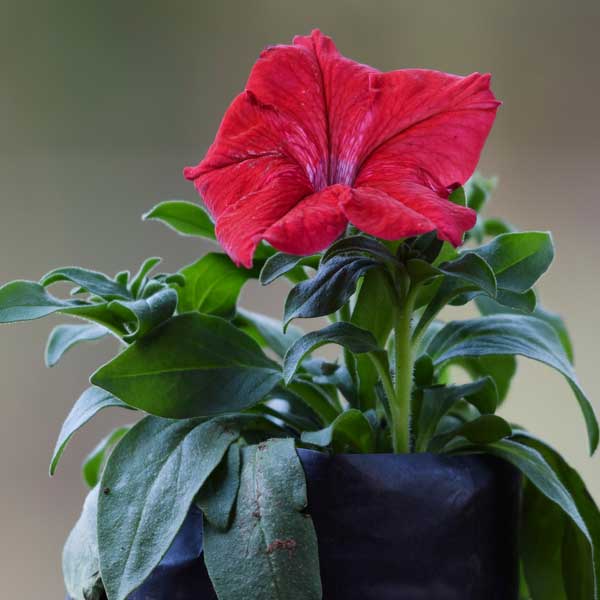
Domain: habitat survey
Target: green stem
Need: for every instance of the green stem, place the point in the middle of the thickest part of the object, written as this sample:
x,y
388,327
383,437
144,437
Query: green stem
x,y
400,404
383,370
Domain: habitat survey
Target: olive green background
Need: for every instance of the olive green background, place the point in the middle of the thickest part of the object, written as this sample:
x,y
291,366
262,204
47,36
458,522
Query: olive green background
x,y
103,103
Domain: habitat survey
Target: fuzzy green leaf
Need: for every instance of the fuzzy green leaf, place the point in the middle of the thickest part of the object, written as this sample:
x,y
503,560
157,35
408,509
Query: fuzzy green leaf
x,y
351,428
212,285
89,403
270,551
437,402
328,290
280,264
147,488
93,282
80,562
350,336
145,314
139,279
218,495
193,365
507,334
565,560
269,331
183,217
64,337
95,460
485,429
518,259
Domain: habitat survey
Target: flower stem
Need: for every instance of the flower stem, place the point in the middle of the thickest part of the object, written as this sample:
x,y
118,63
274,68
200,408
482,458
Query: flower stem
x,y
403,376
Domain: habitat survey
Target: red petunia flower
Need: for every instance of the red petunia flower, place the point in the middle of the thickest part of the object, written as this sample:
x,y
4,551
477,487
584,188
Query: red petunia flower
x,y
317,140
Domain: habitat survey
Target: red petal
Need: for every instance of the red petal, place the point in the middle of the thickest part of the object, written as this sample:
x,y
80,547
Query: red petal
x,y
241,227
413,210
349,99
434,121
312,224
312,118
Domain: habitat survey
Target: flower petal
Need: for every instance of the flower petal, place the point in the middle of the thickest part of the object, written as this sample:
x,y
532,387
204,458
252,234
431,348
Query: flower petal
x,y
312,224
434,121
413,210
240,228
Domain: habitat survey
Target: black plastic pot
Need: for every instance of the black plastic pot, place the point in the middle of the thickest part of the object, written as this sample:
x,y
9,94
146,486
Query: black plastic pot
x,y
390,527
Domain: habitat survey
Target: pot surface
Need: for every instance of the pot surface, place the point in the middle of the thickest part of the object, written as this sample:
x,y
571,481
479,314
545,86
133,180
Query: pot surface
x,y
390,527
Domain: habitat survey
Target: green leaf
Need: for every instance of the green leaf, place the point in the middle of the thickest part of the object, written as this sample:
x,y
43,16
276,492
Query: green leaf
x,y
374,292
89,403
506,334
193,365
137,283
148,486
269,330
281,264
183,217
565,560
313,396
95,460
27,300
360,245
93,282
351,428
478,190
328,290
495,227
556,322
350,336
487,306
80,563
518,259
145,314
217,496
500,368
64,337
540,474
270,551
467,273
212,285
485,429
471,269
458,196
437,402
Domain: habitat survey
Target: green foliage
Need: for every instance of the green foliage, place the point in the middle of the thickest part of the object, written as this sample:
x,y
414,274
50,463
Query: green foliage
x,y
87,406
281,264
355,339
349,431
146,314
331,287
64,337
80,562
211,285
566,565
437,401
193,365
231,393
183,217
96,459
156,469
507,334
270,550
268,331
217,497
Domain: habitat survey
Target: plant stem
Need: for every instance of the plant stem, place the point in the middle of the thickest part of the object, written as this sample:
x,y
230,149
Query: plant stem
x,y
403,375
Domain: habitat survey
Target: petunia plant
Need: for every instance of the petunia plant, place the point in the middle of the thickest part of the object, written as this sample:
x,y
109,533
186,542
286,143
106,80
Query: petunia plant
x,y
357,188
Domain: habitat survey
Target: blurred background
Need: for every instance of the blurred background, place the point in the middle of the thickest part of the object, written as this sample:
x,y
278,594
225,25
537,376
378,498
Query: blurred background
x,y
103,103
